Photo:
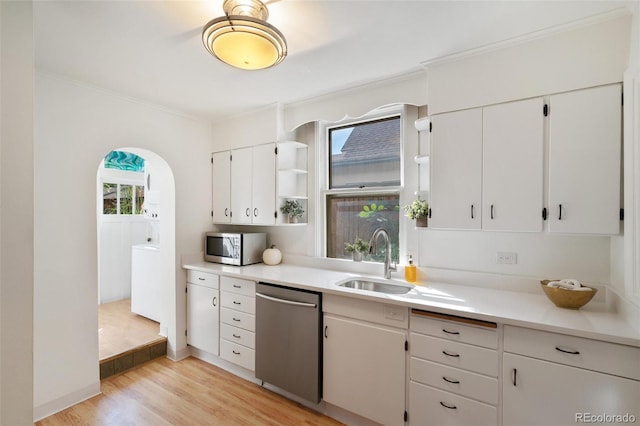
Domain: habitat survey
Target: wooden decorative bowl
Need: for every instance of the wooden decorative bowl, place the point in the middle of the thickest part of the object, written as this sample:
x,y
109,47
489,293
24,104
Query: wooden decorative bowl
x,y
570,299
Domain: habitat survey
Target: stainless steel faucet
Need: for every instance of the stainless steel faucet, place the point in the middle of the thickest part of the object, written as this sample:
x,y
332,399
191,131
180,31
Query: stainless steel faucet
x,y
388,267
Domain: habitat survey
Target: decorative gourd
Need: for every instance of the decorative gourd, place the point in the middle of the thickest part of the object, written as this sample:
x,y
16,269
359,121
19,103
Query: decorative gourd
x,y
271,256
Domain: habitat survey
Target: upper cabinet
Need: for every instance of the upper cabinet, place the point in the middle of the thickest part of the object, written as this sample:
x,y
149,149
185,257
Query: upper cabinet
x,y
488,165
512,166
456,168
250,184
584,161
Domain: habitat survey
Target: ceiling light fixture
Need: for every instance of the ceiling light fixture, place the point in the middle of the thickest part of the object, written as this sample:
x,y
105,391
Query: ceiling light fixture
x,y
243,38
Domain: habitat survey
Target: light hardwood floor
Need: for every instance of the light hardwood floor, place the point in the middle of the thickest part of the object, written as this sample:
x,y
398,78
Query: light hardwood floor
x,y
189,392
120,330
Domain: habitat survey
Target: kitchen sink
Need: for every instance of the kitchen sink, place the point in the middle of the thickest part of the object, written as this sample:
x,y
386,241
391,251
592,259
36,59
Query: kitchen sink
x,y
378,286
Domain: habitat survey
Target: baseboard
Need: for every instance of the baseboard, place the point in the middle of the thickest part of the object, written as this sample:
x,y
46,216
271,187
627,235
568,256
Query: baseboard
x,y
45,410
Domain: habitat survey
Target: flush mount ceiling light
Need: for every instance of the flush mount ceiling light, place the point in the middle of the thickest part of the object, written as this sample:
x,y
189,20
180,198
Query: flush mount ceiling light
x,y
243,38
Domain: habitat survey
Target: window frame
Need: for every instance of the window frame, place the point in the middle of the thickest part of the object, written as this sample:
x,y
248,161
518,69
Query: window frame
x,y
323,190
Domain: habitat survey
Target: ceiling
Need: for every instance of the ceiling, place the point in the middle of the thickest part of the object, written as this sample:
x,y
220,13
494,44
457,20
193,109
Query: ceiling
x,y
152,50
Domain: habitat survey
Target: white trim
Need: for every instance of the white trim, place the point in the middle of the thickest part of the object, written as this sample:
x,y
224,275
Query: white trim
x,y
59,404
535,35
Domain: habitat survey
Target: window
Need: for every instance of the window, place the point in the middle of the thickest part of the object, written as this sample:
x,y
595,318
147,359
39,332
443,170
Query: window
x,y
364,183
122,199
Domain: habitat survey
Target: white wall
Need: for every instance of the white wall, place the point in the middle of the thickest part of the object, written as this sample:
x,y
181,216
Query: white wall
x,y
75,127
16,218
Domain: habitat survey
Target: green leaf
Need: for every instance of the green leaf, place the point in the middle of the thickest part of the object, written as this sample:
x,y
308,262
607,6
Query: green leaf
x,y
365,208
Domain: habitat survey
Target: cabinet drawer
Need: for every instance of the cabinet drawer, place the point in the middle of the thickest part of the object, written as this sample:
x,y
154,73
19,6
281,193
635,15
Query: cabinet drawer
x,y
238,354
202,278
239,302
455,380
612,358
238,319
238,286
238,335
429,406
455,354
456,331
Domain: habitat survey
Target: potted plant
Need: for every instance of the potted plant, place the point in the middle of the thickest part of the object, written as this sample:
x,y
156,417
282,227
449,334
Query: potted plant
x,y
418,210
358,247
293,209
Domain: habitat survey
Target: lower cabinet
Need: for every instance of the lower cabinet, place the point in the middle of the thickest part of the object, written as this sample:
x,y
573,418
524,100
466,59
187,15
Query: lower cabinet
x,y
238,322
364,366
558,390
203,310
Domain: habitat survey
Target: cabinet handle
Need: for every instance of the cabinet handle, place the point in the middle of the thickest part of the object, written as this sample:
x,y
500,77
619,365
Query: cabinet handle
x,y
213,301
326,335
450,407
429,213
544,213
451,354
568,351
255,212
236,319
450,332
248,212
560,211
237,353
226,212
472,215
237,286
237,303
236,336
492,211
448,380
514,376
201,279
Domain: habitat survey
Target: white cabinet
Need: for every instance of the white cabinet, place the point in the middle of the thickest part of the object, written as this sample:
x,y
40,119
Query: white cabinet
x,y
456,170
238,323
253,185
145,281
453,371
487,168
203,310
554,379
584,161
364,361
512,166
221,186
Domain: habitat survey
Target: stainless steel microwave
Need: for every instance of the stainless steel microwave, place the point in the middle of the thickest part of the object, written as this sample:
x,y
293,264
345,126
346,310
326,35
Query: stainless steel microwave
x,y
234,248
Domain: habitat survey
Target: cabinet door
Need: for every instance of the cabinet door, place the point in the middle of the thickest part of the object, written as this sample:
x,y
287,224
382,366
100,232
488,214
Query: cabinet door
x,y
203,309
221,187
539,392
456,170
512,169
264,184
584,161
241,167
364,369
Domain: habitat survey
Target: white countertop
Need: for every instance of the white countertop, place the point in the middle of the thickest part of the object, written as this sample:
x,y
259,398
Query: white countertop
x,y
505,307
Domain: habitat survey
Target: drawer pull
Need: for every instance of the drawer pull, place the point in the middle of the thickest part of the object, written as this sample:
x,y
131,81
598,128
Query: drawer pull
x,y
451,354
237,286
214,301
450,332
569,351
236,336
515,375
450,407
237,353
237,303
236,319
448,380
201,279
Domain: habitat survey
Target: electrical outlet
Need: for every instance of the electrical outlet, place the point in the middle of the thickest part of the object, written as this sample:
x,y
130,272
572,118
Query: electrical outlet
x,y
507,257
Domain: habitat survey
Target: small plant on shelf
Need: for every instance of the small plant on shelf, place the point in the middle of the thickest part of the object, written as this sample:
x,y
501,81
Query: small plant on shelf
x,y
358,247
293,209
418,210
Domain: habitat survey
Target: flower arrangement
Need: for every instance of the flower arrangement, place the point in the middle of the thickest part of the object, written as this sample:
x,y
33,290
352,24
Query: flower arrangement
x,y
293,208
418,209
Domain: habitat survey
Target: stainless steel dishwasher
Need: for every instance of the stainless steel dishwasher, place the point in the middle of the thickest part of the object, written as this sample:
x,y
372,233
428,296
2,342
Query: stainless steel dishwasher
x,y
288,339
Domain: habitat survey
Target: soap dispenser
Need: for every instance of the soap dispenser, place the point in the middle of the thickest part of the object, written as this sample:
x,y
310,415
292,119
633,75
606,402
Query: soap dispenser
x,y
410,271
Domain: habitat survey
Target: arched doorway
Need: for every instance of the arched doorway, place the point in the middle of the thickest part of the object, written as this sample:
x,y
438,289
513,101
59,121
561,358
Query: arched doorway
x,y
141,223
